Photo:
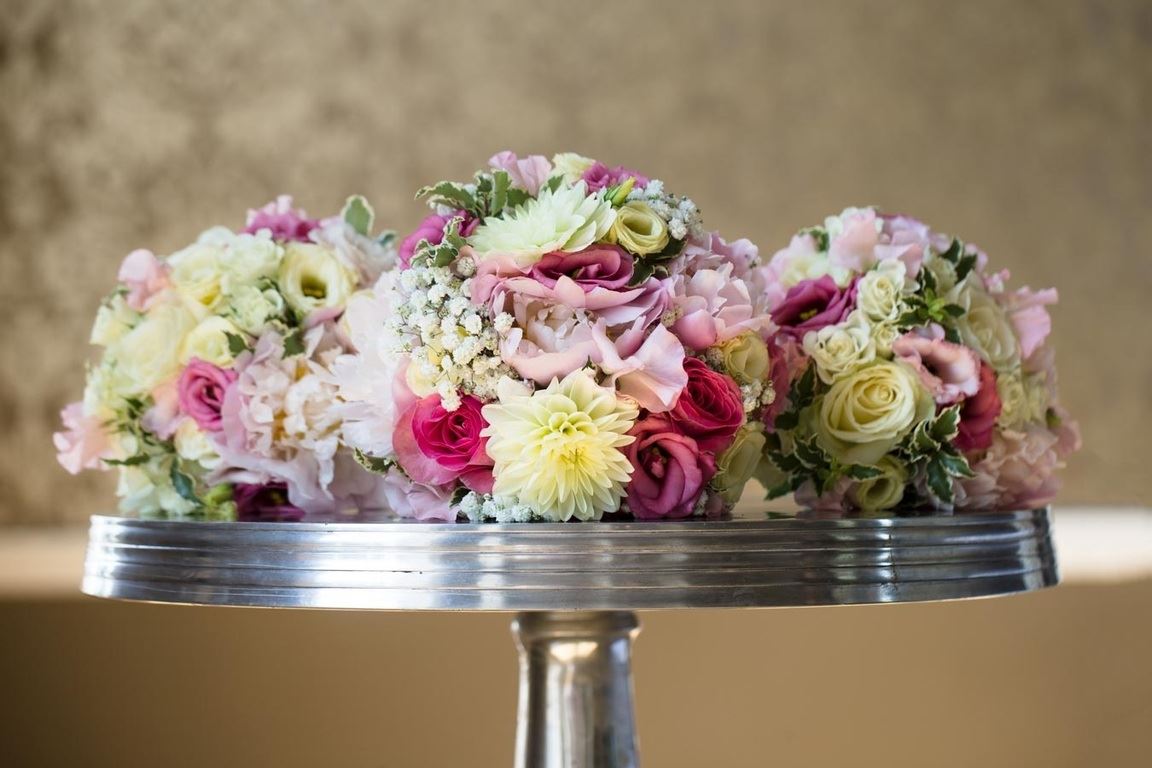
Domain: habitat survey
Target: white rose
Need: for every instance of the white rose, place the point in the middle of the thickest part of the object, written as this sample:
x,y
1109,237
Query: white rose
x,y
984,326
208,341
196,276
192,444
736,465
840,349
311,277
251,309
149,354
884,491
146,491
883,335
867,413
878,292
114,319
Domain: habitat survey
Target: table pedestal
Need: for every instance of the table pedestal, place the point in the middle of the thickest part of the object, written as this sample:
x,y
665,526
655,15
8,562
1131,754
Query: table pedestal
x,y
576,689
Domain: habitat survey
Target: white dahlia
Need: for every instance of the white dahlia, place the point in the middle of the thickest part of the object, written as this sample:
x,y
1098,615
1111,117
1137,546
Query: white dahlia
x,y
568,220
558,449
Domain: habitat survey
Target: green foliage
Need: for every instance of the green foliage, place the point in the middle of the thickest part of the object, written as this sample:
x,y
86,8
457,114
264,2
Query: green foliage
x,y
358,214
183,484
237,344
294,343
449,193
373,463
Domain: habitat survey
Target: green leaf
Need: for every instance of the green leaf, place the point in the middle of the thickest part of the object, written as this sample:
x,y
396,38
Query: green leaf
x,y
862,472
955,249
373,463
946,425
183,484
965,265
951,334
517,197
500,184
928,281
789,419
237,344
820,235
386,238
131,461
294,343
358,214
554,183
805,389
955,465
449,193
939,482
953,310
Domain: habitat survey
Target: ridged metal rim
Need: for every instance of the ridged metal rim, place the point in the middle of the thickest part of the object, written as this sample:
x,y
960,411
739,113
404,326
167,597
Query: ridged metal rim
x,y
756,562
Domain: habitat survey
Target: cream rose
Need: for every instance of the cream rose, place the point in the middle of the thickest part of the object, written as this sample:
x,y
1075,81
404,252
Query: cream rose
x,y
196,276
984,326
884,491
878,292
208,341
841,349
884,334
571,166
114,319
149,354
311,278
639,229
735,467
867,413
745,357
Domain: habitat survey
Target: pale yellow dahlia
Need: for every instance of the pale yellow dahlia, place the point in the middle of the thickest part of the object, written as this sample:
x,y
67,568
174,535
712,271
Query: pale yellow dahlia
x,y
557,450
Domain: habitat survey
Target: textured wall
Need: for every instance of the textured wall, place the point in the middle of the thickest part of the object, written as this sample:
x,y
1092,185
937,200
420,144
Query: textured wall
x,y
1022,126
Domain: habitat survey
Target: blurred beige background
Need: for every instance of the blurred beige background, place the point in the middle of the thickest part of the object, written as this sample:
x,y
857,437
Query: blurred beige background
x,y
1025,127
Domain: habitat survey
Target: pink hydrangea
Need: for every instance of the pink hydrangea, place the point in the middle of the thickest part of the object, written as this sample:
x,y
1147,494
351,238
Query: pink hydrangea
x,y
1019,469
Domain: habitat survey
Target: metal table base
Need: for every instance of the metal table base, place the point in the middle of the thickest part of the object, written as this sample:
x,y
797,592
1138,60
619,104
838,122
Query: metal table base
x,y
575,586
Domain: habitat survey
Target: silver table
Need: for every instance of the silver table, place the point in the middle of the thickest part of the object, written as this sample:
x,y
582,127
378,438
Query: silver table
x,y
575,587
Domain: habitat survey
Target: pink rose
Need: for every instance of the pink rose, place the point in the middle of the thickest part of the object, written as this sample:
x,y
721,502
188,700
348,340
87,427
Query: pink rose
x,y
437,447
599,176
949,371
285,222
812,304
979,413
265,503
669,470
432,230
145,276
201,389
84,443
528,174
710,408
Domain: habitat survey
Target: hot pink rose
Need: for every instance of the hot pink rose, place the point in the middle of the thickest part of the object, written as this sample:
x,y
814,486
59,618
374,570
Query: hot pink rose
x,y
599,176
449,443
201,390
710,408
949,371
812,304
669,470
979,413
284,221
432,230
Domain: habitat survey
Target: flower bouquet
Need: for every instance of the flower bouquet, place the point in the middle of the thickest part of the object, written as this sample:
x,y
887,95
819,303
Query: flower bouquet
x,y
560,340
915,377
214,396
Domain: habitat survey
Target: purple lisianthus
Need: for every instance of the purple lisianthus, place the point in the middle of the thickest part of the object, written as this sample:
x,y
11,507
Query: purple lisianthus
x,y
267,503
432,230
599,266
200,392
285,222
599,176
812,304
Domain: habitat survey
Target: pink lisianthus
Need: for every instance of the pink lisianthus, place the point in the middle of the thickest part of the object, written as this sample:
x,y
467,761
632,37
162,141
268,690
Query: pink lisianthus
x,y
713,306
417,501
84,443
597,266
903,238
854,248
282,220
710,408
950,372
144,276
979,413
1029,318
201,389
450,440
599,176
812,304
646,365
265,503
432,230
669,470
528,174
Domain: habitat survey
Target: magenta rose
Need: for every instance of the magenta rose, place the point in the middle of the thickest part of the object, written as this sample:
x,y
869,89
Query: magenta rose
x,y
598,266
267,503
448,443
669,470
979,413
285,222
812,304
200,392
599,176
432,230
710,408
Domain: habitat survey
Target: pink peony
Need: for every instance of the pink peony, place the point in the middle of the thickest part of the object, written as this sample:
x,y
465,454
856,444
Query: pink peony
x,y
451,439
949,371
646,365
432,230
713,306
84,443
265,503
812,304
528,174
285,222
201,389
547,341
145,276
669,470
711,251
979,413
599,176
710,408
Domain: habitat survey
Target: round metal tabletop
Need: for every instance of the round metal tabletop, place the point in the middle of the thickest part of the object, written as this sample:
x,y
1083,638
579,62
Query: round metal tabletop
x,y
752,560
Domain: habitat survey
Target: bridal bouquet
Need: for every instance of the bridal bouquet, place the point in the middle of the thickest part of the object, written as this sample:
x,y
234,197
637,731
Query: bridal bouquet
x,y
560,340
916,377
213,396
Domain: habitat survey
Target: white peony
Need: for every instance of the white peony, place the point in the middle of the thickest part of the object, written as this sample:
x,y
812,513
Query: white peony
x,y
196,275
568,219
114,319
841,349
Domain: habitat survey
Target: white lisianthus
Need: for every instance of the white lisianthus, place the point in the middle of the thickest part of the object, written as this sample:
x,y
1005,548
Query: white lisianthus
x,y
568,219
196,274
252,309
208,341
558,449
114,319
149,354
867,413
841,349
192,444
984,326
878,292
312,277
639,229
884,491
570,166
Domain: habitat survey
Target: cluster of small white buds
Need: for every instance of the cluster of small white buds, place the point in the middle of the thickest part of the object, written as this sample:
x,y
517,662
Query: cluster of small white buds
x,y
681,213
501,509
